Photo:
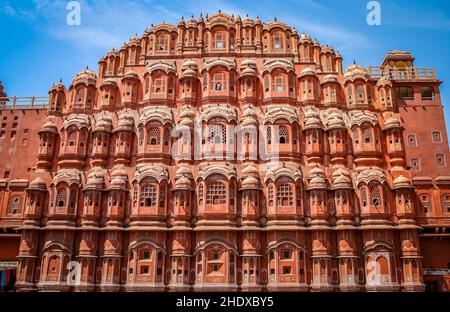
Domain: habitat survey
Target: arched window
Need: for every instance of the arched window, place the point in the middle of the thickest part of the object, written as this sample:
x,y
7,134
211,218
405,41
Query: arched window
x,y
283,135
285,196
148,196
153,136
383,265
53,265
216,193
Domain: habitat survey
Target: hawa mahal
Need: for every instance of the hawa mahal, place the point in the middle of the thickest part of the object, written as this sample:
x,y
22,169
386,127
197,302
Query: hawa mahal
x,y
228,154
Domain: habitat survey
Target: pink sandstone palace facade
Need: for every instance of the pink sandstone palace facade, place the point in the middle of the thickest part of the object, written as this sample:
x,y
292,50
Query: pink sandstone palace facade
x,y
228,154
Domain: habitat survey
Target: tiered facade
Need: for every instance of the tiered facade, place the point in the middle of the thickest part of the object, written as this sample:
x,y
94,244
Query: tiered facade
x,y
227,154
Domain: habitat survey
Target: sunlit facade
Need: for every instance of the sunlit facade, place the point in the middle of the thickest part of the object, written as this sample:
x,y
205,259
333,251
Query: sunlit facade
x,y
227,154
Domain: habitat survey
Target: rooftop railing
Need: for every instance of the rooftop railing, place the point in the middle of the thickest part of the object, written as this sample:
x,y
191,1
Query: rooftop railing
x,y
407,74
31,102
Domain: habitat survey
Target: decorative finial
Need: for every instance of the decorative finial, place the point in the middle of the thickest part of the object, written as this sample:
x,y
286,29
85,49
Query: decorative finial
x,y
220,11
60,80
275,19
354,61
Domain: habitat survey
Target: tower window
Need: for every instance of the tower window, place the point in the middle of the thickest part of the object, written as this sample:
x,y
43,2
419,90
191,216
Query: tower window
x,y
405,93
440,160
415,164
436,137
412,140
428,93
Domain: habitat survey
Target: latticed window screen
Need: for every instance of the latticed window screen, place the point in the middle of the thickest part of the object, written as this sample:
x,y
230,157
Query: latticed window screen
x,y
266,83
269,135
277,41
279,83
148,196
217,134
219,40
147,84
426,203
200,193
375,194
363,196
15,205
162,196
166,136
285,196
153,136
163,43
270,194
141,134
159,85
135,195
218,82
282,134
61,198
251,199
216,193
79,97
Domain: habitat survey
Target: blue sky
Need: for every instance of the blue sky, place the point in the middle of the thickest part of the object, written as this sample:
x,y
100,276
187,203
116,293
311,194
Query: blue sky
x,y
38,47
